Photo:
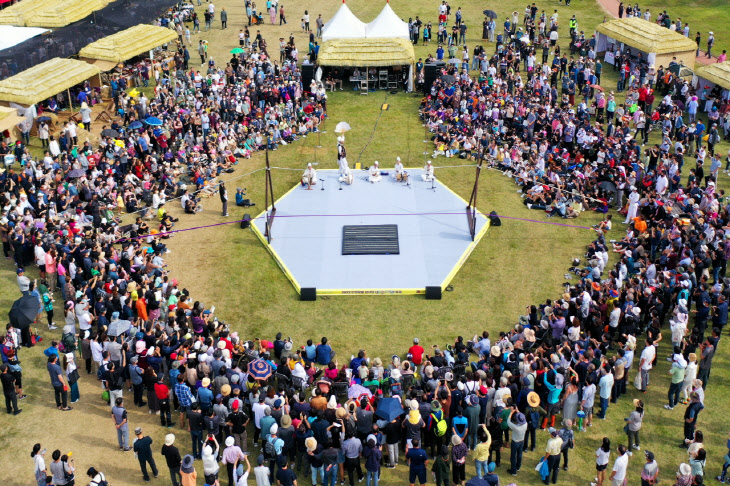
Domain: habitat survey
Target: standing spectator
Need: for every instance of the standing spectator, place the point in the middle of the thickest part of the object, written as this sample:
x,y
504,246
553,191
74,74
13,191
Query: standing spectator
x,y
224,198
418,461
231,455
552,455
645,363
143,449
676,371
224,18
58,381
172,456
119,415
210,461
633,425
620,465
352,448
459,451
690,418
602,455
707,352
189,476
518,424
650,471
568,437
710,43
440,467
372,456
11,397
196,427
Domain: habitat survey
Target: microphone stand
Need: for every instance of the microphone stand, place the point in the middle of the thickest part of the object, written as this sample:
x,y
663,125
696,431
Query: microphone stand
x,y
322,180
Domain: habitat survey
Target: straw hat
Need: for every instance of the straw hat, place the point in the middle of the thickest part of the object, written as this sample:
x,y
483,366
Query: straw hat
x,y
226,390
494,351
533,399
285,421
377,362
206,382
310,443
340,413
693,356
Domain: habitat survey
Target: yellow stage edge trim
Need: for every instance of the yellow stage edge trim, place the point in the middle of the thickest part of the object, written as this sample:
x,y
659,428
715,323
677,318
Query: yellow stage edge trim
x,y
273,253
371,291
465,255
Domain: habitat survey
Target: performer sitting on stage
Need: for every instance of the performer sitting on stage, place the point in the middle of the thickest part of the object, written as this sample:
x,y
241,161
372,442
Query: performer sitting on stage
x,y
375,173
400,174
341,154
309,178
428,176
346,176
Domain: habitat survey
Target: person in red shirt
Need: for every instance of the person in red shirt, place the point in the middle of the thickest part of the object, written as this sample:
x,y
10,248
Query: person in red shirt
x,y
416,352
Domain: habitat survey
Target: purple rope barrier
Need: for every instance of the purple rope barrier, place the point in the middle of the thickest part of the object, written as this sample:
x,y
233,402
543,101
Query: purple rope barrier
x,y
121,240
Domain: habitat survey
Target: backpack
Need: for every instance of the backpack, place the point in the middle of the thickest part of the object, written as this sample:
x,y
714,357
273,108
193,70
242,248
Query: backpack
x,y
441,426
69,342
269,450
535,419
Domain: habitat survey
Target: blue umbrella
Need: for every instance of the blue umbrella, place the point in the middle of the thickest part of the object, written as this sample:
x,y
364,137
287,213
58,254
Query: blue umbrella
x,y
259,369
43,118
153,121
389,409
135,125
157,132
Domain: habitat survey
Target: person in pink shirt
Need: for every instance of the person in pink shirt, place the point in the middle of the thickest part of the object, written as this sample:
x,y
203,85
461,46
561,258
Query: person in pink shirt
x,y
51,273
722,57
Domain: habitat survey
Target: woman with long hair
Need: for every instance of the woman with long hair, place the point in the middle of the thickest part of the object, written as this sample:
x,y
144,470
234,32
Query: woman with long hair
x,y
602,455
40,470
72,374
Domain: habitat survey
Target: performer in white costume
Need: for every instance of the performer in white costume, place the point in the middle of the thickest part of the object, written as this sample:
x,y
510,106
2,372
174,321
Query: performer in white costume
x,y
309,178
346,176
400,174
428,176
633,205
375,173
341,154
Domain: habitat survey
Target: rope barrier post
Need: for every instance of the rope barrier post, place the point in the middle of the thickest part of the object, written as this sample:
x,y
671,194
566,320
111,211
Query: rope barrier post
x,y
269,188
471,208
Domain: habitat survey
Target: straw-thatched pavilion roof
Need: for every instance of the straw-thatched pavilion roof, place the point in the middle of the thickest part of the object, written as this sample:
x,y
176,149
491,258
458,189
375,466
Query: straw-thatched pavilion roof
x,y
366,52
646,36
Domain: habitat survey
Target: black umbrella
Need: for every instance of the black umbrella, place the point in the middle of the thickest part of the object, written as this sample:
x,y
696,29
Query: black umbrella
x,y
76,173
109,132
490,13
24,311
43,118
447,78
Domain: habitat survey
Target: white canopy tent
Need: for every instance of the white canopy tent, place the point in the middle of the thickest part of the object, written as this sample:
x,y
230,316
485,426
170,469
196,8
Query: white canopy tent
x,y
11,35
387,24
344,25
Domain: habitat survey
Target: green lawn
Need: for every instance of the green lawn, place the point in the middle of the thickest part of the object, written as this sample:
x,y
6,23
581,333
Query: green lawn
x,y
517,264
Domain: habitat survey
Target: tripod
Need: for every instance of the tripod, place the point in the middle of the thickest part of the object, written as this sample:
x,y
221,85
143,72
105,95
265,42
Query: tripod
x,y
433,184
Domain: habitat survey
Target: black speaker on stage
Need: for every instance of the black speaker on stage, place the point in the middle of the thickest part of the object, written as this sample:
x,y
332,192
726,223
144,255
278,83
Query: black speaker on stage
x,y
494,219
308,293
431,72
246,221
433,293
307,75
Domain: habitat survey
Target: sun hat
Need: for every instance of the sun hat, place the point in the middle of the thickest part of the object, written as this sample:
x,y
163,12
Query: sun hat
x,y
206,382
230,441
684,469
435,406
137,430
693,356
341,413
494,351
285,421
310,443
553,431
377,362
413,404
187,464
395,374
520,418
169,439
226,390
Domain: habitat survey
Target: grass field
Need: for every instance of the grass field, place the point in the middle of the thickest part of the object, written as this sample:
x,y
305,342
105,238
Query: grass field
x,y
517,264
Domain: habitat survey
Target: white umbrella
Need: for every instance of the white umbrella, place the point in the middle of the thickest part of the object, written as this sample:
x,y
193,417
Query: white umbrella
x,y
342,127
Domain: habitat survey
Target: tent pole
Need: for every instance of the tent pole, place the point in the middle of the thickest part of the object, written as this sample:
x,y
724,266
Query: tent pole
x,y
70,102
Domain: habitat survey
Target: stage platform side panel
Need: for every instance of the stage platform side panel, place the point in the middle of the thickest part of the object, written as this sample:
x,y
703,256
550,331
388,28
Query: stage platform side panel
x,y
432,229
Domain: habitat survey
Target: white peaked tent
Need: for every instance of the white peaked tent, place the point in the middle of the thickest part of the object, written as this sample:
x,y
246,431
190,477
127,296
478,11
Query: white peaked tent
x,y
387,24
344,25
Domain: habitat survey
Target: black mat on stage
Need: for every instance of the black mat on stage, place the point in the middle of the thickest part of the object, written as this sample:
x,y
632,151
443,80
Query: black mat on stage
x,y
381,239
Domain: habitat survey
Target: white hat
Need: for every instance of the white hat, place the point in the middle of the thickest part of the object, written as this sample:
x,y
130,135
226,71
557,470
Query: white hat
x,y
395,374
274,429
398,159
170,439
230,441
429,162
309,164
375,163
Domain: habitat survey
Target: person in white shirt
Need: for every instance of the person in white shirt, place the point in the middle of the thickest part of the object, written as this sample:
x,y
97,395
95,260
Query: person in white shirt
x,y
645,364
309,178
400,173
341,154
633,205
240,477
375,173
428,175
261,473
618,474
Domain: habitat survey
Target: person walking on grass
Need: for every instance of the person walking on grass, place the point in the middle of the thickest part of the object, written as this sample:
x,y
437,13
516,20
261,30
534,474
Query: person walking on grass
x,y
143,449
603,453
